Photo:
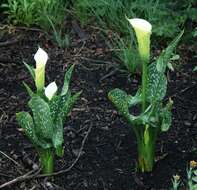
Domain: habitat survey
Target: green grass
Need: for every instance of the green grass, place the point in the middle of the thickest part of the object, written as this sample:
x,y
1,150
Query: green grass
x,y
31,12
46,14
20,11
167,17
124,51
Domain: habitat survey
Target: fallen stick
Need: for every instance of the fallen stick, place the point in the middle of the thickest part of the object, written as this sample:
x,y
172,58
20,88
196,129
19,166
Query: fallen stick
x,y
26,176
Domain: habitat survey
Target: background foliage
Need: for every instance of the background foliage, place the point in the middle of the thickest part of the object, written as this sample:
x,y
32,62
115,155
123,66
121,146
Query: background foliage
x,y
167,17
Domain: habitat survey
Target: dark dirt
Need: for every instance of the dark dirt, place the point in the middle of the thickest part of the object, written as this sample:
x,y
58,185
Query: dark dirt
x,y
108,157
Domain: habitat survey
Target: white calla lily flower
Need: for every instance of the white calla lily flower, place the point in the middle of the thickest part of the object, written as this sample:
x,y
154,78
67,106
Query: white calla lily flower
x,y
141,24
143,30
41,58
50,90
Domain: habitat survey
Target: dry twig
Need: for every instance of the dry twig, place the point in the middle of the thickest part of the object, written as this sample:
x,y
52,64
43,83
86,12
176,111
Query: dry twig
x,y
26,176
10,159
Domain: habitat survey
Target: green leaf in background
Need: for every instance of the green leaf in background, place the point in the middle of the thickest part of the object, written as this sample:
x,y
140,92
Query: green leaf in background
x,y
130,58
165,56
30,69
195,69
156,84
29,90
192,13
67,78
42,117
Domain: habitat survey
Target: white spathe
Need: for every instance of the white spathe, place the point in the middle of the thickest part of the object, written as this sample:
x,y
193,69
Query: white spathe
x,y
41,58
143,30
141,24
50,90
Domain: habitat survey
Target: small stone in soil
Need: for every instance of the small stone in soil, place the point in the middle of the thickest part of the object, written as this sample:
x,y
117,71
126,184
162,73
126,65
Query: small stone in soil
x,y
187,123
35,167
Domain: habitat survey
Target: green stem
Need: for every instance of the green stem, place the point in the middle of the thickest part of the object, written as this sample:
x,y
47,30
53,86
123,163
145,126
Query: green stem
x,y
46,160
145,157
146,150
144,83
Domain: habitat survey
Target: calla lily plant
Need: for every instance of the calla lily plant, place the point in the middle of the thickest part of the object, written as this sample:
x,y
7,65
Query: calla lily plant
x,y
49,109
155,117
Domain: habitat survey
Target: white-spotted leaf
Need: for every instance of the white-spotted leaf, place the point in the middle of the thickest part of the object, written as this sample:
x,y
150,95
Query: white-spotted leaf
x,y
42,117
67,78
156,84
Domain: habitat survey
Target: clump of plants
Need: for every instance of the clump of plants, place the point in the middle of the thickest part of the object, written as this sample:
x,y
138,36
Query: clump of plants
x,y
30,12
124,51
155,116
191,183
46,14
49,109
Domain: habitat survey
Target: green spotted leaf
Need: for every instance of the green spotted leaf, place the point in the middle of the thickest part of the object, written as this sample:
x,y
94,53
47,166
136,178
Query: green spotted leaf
x,y
67,78
133,100
55,105
120,100
149,117
67,104
58,137
165,56
42,117
195,172
156,84
194,179
25,121
195,69
195,186
166,120
166,116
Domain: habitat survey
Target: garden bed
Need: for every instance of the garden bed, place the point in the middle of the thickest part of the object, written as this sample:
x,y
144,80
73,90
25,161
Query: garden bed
x,y
107,157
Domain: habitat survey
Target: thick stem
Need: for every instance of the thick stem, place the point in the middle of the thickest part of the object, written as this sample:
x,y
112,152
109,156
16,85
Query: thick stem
x,y
146,151
146,154
46,160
